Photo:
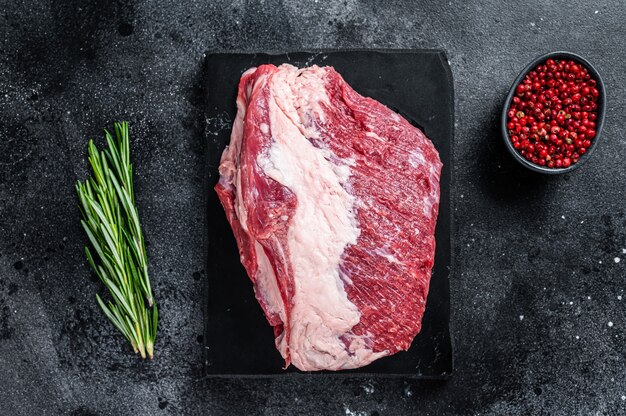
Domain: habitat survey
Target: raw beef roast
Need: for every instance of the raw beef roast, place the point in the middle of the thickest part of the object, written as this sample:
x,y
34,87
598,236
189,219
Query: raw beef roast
x,y
333,200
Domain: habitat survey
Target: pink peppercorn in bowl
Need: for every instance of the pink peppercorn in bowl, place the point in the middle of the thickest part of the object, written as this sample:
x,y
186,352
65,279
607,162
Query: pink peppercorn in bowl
x,y
553,115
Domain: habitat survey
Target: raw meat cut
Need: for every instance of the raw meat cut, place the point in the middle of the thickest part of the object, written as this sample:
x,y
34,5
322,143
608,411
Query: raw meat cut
x,y
333,200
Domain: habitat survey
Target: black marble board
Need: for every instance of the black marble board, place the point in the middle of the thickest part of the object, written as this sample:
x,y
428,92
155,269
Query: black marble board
x,y
416,84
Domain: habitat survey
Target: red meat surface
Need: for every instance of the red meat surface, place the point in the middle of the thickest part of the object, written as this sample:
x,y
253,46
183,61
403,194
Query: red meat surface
x,y
387,170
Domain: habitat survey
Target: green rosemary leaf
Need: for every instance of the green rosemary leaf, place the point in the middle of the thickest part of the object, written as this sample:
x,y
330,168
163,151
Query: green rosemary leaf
x,y
108,311
111,222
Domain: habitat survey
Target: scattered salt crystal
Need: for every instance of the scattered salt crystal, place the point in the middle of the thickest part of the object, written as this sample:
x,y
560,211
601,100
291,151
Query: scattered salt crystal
x,y
617,259
571,303
596,12
562,216
624,251
619,297
521,317
623,397
577,337
610,324
407,391
532,24
600,261
368,388
588,297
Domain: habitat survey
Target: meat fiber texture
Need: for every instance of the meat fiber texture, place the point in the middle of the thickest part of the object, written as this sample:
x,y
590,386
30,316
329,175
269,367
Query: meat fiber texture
x,y
333,200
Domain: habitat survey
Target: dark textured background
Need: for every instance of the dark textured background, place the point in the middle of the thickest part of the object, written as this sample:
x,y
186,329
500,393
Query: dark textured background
x,y
537,315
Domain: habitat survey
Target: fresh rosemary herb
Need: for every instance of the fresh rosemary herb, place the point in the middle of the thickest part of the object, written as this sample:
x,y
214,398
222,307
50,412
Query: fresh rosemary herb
x,y
112,225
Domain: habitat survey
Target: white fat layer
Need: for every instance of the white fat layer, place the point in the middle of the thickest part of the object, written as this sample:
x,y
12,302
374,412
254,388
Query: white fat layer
x,y
301,94
267,289
267,284
323,225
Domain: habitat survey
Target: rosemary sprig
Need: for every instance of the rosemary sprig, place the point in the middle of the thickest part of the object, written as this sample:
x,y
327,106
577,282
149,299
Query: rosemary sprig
x,y
112,225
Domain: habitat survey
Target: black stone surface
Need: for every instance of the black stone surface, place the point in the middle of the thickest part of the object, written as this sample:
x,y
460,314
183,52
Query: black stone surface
x,y
418,85
537,315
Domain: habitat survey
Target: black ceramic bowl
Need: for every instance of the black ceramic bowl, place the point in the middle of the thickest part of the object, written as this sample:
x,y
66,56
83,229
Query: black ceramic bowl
x,y
599,120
